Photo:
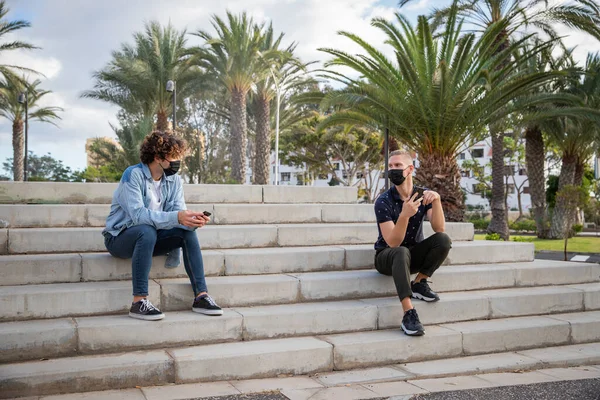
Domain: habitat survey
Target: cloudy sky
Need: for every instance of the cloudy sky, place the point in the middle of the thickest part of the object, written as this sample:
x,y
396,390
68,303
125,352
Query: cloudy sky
x,y
77,37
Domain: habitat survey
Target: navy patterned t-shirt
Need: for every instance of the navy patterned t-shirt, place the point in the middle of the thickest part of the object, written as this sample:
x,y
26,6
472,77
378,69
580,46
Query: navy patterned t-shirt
x,y
388,208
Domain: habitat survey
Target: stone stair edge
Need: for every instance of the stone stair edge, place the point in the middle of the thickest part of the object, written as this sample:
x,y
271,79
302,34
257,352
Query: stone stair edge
x,y
318,352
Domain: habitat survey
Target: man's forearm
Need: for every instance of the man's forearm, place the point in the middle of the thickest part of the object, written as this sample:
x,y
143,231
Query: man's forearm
x,y
399,231
438,220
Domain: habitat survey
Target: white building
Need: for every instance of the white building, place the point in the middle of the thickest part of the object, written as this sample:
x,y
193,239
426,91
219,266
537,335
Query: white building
x,y
476,192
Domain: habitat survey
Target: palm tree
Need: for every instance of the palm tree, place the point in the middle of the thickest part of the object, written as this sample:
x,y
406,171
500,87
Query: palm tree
x,y
234,58
287,72
7,72
436,94
14,111
136,77
578,139
579,14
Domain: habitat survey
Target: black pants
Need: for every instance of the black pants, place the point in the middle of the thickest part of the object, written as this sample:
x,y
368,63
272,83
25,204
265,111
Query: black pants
x,y
424,257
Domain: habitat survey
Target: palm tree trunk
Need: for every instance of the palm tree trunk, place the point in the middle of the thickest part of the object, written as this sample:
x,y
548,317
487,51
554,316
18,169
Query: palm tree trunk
x,y
578,181
263,141
18,150
162,123
442,174
239,139
498,223
561,214
534,159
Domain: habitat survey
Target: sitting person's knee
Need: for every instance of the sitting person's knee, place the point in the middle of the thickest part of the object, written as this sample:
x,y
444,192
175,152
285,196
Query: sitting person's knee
x,y
146,232
401,252
443,240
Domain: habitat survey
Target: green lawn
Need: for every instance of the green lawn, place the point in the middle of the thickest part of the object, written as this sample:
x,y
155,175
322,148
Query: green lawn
x,y
578,244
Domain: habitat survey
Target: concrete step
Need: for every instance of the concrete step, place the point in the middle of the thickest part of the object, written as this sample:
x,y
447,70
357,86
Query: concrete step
x,y
72,267
95,298
306,355
101,193
36,339
94,215
65,240
554,364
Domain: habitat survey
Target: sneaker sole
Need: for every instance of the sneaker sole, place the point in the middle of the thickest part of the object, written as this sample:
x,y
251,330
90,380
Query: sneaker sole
x,y
147,317
207,312
427,299
412,333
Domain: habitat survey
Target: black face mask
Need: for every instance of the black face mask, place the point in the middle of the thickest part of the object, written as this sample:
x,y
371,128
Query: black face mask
x,y
396,176
173,168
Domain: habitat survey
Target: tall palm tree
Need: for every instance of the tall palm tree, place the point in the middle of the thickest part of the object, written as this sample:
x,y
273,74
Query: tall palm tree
x,y
435,94
519,15
136,77
6,27
578,139
289,72
235,58
14,111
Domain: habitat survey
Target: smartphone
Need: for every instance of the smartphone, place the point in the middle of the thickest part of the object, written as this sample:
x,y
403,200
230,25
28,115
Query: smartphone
x,y
206,213
418,190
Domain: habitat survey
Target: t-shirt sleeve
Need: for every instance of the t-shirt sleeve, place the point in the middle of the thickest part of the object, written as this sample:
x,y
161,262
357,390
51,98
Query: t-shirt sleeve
x,y
383,211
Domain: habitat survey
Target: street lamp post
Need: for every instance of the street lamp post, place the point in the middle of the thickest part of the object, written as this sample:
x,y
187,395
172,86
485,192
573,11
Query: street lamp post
x,y
22,99
278,90
171,88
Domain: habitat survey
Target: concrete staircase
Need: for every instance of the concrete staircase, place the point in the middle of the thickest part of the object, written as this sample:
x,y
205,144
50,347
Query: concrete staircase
x,y
294,268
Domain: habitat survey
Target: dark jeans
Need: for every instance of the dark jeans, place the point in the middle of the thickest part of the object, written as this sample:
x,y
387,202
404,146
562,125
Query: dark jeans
x,y
141,242
424,257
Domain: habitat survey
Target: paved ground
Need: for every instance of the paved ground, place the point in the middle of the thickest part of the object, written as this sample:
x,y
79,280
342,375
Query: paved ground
x,y
257,396
560,256
586,389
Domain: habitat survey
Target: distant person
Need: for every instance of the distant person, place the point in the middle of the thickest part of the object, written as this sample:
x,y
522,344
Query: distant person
x,y
400,248
148,217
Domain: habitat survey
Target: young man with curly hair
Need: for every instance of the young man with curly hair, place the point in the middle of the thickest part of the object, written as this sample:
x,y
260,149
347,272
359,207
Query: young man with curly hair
x,y
148,217
401,249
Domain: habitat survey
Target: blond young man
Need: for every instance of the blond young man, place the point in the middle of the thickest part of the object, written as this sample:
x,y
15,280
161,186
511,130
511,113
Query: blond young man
x,y
401,249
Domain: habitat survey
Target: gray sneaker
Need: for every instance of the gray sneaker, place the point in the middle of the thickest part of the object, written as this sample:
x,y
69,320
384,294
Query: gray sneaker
x,y
143,309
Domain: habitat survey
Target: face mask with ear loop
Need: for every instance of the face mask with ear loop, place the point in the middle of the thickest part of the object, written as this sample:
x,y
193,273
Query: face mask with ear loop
x,y
173,168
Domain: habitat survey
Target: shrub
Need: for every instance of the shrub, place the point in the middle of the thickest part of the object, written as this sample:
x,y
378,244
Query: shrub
x,y
493,236
480,223
523,239
524,225
577,228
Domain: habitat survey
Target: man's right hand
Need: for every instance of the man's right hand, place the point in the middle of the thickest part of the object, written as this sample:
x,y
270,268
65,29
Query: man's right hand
x,y
411,206
192,219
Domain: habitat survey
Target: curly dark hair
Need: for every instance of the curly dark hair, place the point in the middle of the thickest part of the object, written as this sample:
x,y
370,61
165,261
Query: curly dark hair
x,y
163,145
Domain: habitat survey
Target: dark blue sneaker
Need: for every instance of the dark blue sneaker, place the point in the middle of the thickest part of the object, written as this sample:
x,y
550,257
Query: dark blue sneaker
x,y
411,324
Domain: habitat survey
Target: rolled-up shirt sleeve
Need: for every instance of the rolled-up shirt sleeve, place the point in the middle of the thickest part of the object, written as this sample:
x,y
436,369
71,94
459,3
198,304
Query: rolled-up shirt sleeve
x,y
132,202
383,211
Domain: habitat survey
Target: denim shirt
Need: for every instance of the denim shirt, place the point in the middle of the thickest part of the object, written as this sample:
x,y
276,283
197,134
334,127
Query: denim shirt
x,y
131,200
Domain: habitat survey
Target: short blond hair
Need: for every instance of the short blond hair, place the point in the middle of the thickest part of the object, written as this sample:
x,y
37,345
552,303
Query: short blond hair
x,y
404,154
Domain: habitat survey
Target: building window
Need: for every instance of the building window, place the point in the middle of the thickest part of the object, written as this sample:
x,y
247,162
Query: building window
x,y
526,190
477,153
286,176
336,166
509,170
465,173
323,177
511,188
359,175
344,174
522,171
461,156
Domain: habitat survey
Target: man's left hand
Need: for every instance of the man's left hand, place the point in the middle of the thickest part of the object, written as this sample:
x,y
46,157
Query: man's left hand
x,y
429,196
